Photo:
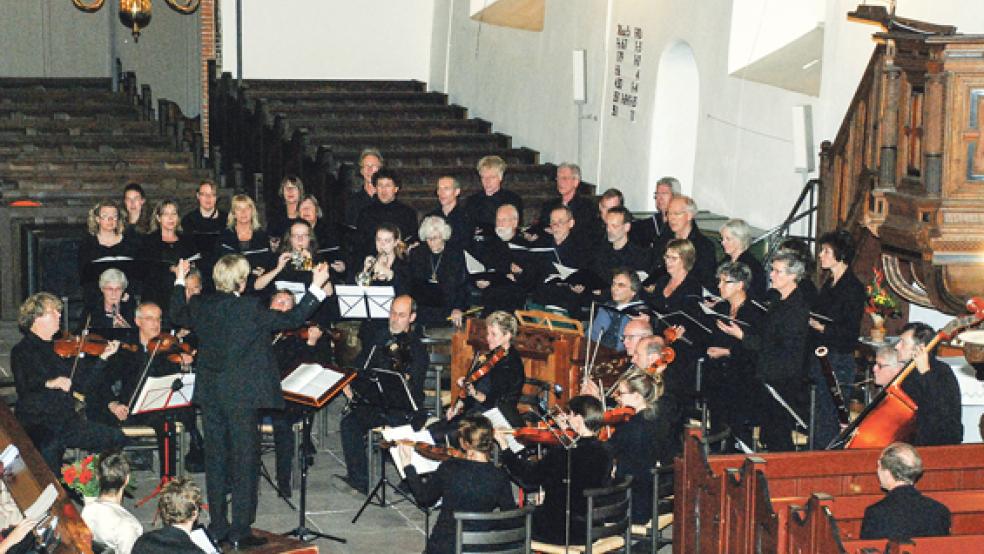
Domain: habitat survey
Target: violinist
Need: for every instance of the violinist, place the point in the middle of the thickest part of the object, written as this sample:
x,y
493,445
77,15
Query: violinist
x,y
468,484
396,347
115,308
289,350
125,375
44,383
729,369
651,435
497,385
590,465
932,386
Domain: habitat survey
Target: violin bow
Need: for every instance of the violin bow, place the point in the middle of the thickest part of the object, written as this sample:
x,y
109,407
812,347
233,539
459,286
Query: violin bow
x,y
82,339
143,378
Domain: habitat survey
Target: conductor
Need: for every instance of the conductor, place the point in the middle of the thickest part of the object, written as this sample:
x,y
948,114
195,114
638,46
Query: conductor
x,y
237,377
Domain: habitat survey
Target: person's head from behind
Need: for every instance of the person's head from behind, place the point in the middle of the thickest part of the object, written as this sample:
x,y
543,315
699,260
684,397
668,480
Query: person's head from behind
x,y
475,433
899,464
585,413
230,273
282,301
180,501
112,472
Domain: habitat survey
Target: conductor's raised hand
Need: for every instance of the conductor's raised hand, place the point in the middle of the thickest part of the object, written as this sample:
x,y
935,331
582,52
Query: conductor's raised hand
x,y
320,275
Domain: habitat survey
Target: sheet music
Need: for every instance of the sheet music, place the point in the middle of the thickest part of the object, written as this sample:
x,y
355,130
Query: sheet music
x,y
499,422
379,300
351,301
406,432
311,380
156,393
474,266
714,314
42,503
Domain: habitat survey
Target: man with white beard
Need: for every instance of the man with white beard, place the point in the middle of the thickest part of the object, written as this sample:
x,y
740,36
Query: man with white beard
x,y
509,274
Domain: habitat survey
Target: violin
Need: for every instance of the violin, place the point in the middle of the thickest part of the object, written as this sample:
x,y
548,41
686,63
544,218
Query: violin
x,y
73,346
171,345
487,362
542,434
613,417
429,451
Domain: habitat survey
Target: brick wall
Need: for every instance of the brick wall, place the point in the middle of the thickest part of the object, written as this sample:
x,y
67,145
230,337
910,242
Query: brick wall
x,y
209,52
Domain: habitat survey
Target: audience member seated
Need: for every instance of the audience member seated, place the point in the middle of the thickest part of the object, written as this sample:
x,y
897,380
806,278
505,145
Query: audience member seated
x,y
468,484
370,161
115,397
933,388
178,507
385,209
569,292
510,272
590,468
680,219
113,528
160,251
610,319
112,316
481,206
462,229
736,237
437,273
105,246
45,401
654,232
904,513
282,216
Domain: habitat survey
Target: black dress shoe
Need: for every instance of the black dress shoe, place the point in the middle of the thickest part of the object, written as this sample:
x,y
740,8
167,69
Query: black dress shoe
x,y
248,541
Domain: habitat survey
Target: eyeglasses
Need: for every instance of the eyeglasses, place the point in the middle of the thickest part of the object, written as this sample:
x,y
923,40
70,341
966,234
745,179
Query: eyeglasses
x,y
109,217
727,282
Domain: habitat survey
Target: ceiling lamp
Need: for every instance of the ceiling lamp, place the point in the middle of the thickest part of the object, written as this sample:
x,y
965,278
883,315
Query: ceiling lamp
x,y
135,14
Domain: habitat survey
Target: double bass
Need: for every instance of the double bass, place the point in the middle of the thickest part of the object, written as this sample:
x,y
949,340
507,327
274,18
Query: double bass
x,y
891,415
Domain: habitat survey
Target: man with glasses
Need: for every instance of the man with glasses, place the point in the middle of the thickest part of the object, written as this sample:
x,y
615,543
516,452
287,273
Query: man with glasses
x,y
568,181
654,232
47,387
680,219
567,251
611,319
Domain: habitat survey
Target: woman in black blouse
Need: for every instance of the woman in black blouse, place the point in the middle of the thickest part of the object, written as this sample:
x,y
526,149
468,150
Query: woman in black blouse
x,y
469,484
729,368
326,233
244,234
104,247
291,192
590,467
503,384
438,275
677,290
736,237
161,249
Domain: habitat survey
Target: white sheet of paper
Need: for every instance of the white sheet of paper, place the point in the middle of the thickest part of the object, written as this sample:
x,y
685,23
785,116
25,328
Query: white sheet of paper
x,y
474,266
156,393
406,432
499,422
9,454
351,301
380,298
113,259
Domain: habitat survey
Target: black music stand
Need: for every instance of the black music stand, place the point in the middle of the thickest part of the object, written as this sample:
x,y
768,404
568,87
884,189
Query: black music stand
x,y
393,395
311,397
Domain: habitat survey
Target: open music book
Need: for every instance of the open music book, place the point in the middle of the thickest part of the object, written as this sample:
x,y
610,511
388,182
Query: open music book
x,y
314,385
165,393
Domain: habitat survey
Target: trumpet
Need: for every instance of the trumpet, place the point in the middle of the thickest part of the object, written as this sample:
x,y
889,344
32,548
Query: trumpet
x,y
364,277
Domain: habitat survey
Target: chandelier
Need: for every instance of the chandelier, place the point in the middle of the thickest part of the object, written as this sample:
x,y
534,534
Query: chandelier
x,y
135,14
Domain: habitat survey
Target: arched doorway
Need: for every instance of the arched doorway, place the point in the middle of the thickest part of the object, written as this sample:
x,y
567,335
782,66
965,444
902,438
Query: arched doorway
x,y
673,135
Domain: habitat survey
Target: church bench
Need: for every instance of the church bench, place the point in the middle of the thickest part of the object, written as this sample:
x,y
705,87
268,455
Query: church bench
x,y
75,126
317,125
433,142
36,84
956,544
333,85
703,506
348,97
823,522
97,157
369,112
71,110
127,141
512,157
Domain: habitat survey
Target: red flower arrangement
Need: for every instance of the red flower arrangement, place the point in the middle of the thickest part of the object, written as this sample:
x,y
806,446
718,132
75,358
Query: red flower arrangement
x,y
880,299
81,477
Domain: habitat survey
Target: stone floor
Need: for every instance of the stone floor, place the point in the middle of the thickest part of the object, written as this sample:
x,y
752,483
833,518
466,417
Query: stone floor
x,y
396,529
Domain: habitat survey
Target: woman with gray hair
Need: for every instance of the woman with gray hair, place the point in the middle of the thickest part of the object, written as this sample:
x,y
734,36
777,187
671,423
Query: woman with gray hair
x,y
437,272
780,346
115,307
736,237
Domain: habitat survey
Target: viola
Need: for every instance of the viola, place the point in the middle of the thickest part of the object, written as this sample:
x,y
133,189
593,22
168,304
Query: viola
x,y
94,345
429,451
487,361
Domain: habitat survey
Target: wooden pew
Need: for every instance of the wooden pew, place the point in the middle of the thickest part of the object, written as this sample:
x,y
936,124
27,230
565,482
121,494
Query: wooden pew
x,y
958,544
824,522
329,85
703,506
26,484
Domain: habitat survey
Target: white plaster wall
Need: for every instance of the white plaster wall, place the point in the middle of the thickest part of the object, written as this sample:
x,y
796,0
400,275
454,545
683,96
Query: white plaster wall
x,y
330,39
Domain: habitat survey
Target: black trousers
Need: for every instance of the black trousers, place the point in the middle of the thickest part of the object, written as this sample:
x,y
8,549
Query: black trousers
x,y
53,440
232,467
355,429
284,444
776,422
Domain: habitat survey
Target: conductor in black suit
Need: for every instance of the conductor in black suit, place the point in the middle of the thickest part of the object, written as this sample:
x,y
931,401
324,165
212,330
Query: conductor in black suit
x,y
237,377
904,513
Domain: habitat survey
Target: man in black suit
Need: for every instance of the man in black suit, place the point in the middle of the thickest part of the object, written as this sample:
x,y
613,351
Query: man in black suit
x,y
904,513
462,229
384,208
178,507
237,376
584,210
933,387
680,218
654,231
482,205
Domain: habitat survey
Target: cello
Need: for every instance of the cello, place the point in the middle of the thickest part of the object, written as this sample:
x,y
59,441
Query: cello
x,y
891,416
